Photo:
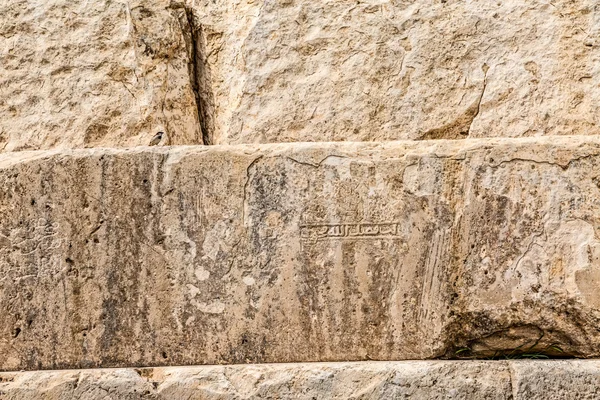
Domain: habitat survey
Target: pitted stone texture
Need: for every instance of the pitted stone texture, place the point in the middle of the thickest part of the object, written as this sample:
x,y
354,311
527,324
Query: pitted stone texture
x,y
304,70
468,380
112,73
307,252
76,73
385,380
554,380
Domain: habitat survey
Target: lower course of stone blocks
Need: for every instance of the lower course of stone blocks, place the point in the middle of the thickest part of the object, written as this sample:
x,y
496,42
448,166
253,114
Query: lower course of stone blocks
x,y
469,380
299,253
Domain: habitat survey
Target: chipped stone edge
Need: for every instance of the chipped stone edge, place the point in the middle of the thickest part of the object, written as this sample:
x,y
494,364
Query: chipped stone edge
x,y
380,150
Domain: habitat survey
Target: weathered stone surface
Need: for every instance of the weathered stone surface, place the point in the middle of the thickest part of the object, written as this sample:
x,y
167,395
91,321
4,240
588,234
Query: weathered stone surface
x,y
308,252
370,380
112,73
553,380
469,380
76,73
304,70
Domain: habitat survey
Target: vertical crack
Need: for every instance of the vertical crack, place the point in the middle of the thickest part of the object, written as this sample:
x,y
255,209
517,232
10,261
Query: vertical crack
x,y
248,173
485,69
514,389
199,72
460,128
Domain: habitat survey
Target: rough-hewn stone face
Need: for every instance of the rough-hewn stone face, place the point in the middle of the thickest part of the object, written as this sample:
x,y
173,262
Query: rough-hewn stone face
x,y
112,73
258,250
468,380
303,70
554,380
389,380
315,252
77,73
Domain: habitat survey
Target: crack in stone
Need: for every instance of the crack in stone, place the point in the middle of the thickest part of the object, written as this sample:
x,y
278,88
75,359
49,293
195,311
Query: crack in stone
x,y
460,128
485,71
198,73
563,166
530,247
257,159
314,165
513,388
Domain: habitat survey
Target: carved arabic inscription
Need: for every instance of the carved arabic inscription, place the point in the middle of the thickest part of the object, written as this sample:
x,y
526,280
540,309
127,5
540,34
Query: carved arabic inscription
x,y
313,233
30,250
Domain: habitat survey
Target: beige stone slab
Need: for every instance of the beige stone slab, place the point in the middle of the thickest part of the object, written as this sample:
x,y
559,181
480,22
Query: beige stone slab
x,y
77,73
304,70
291,253
553,380
365,380
469,380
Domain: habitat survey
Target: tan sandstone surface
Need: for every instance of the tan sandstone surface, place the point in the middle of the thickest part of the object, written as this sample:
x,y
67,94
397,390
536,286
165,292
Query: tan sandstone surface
x,y
384,380
311,252
343,260
75,73
468,380
304,70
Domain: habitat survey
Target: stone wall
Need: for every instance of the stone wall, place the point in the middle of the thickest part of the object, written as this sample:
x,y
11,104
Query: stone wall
x,y
353,182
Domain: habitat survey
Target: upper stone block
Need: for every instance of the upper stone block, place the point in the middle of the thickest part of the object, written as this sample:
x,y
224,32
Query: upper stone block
x,y
304,70
113,73
99,73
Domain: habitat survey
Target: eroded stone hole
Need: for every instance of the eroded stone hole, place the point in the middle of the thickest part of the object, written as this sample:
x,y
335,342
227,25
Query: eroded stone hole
x,y
516,342
16,332
146,373
550,353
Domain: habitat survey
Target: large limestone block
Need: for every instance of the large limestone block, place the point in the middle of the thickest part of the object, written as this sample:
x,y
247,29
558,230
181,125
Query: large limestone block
x,y
304,70
468,380
77,73
367,380
113,72
307,252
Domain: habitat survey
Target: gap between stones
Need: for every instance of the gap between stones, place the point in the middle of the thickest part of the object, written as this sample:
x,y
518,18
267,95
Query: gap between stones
x,y
516,342
199,72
